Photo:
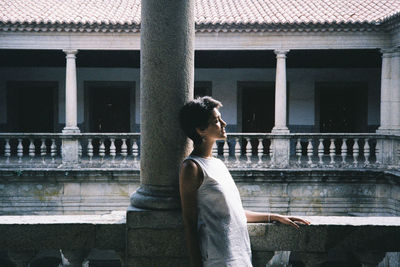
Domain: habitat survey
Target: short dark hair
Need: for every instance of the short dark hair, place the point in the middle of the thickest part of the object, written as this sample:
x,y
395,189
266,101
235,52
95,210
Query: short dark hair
x,y
196,114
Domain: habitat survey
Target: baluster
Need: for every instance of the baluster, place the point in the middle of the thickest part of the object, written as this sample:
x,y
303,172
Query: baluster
x,y
226,150
215,149
80,149
344,151
378,151
20,150
356,151
332,151
298,151
124,150
135,150
398,152
53,150
321,151
310,151
366,152
31,149
113,150
7,150
237,150
90,149
43,150
271,153
102,150
260,150
248,150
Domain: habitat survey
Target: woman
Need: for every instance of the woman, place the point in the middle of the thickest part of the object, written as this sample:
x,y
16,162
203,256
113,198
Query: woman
x,y
214,218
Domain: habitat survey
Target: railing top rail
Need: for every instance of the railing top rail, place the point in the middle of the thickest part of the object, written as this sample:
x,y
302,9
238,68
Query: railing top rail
x,y
63,135
253,135
311,135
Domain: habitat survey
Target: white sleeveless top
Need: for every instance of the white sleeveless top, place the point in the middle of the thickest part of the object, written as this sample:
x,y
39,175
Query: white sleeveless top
x,y
222,223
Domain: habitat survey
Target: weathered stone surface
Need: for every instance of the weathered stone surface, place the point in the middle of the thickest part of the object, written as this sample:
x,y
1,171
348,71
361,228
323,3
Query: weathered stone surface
x,y
303,192
65,191
74,232
329,233
155,234
166,84
156,261
162,243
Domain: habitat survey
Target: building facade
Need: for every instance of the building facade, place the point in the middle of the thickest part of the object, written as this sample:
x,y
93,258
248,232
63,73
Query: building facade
x,y
311,94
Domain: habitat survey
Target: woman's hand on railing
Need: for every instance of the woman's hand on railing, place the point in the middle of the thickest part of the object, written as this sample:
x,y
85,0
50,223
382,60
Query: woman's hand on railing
x,y
290,220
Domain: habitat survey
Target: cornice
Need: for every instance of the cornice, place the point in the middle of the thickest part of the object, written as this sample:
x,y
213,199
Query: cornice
x,y
201,28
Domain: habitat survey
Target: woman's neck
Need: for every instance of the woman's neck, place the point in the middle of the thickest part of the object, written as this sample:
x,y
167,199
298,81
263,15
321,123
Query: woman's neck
x,y
203,150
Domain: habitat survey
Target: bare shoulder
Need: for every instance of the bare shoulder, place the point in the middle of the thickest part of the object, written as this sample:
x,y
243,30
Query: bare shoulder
x,y
190,173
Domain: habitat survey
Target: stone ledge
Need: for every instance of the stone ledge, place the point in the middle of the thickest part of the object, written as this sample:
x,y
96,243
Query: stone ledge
x,y
63,232
144,229
380,234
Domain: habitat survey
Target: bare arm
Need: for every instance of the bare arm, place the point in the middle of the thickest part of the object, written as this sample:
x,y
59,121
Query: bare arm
x,y
253,217
190,178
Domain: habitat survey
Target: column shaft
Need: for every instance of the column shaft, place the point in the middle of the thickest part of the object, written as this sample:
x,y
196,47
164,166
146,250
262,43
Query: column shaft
x,y
395,92
70,93
385,91
166,83
280,92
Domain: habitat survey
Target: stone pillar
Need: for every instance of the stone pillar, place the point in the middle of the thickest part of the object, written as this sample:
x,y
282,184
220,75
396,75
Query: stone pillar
x,y
390,106
281,145
70,145
395,92
280,92
166,83
71,93
385,91
154,225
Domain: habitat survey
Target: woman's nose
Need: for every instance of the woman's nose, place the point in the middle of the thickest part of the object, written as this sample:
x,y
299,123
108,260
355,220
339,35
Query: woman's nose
x,y
223,122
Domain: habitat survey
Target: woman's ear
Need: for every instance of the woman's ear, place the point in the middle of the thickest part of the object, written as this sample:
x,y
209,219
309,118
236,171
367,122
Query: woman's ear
x,y
200,131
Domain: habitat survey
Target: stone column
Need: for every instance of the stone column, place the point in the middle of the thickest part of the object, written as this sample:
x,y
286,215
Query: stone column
x,y
154,227
280,93
71,93
70,145
385,91
166,83
390,105
281,145
395,92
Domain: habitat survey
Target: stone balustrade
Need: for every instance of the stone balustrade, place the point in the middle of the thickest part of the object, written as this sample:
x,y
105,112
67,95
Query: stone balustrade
x,y
37,150
240,150
331,239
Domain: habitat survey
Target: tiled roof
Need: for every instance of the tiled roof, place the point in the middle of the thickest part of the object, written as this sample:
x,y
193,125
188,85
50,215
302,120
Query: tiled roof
x,y
124,15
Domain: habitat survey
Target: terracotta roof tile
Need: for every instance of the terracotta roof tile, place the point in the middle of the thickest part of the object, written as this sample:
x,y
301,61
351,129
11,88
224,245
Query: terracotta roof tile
x,y
209,13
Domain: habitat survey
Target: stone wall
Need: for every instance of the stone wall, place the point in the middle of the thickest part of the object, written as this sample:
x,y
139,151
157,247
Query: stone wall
x,y
304,192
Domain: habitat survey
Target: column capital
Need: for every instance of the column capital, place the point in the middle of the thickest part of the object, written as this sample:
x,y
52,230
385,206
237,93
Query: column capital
x,y
390,52
281,53
70,52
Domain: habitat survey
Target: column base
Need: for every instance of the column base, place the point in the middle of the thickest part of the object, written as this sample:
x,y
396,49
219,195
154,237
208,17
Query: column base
x,y
70,130
156,197
155,238
280,130
388,130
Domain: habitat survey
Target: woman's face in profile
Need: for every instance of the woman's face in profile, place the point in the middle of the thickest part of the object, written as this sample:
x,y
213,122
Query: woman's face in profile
x,y
216,126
